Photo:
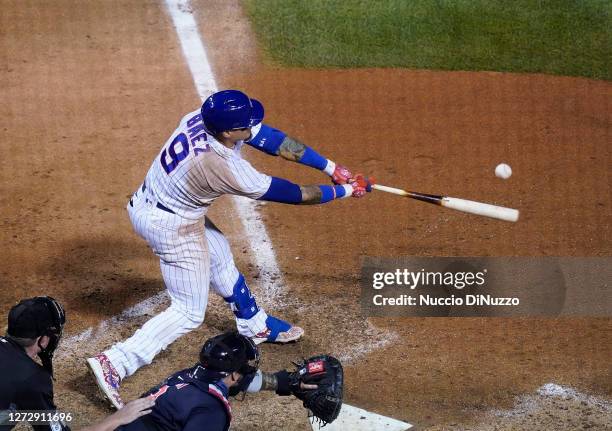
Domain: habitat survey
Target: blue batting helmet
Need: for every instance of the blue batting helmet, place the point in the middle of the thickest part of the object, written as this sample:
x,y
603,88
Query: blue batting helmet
x,y
231,110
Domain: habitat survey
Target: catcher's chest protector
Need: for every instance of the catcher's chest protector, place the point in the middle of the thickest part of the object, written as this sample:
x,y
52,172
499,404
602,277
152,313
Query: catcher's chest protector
x,y
215,392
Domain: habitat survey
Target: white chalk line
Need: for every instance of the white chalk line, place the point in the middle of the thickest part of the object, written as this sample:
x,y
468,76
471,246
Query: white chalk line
x,y
109,326
254,229
554,390
529,403
353,352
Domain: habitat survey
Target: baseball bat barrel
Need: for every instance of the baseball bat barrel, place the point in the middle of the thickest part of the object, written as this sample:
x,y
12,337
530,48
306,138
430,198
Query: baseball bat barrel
x,y
482,209
463,205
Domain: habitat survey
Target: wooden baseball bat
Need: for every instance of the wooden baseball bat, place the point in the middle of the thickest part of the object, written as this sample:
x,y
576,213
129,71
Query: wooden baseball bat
x,y
464,205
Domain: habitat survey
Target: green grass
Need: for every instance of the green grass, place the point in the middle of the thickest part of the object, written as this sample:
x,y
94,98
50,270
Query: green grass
x,y
562,37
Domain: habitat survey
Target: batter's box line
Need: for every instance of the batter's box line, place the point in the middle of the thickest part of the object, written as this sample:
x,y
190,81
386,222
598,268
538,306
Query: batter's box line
x,y
96,335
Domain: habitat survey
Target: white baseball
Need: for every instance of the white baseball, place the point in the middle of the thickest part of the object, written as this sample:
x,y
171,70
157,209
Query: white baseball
x,y
503,171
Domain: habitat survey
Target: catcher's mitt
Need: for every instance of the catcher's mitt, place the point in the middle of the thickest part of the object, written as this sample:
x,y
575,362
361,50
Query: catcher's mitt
x,y
325,372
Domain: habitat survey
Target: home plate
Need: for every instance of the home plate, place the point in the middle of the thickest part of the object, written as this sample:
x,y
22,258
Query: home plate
x,y
356,419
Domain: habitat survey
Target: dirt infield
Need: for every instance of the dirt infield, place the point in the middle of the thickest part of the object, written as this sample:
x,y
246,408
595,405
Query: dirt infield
x,y
93,90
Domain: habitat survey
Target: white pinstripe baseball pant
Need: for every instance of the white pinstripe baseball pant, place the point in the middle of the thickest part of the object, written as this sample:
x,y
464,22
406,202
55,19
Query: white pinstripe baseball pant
x,y
192,254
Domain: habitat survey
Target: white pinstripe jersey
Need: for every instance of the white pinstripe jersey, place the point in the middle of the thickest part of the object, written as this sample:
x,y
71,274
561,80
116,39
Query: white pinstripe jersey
x,y
193,169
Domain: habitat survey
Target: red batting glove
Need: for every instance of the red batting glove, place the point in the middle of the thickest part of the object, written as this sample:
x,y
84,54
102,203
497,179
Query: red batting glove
x,y
360,186
341,175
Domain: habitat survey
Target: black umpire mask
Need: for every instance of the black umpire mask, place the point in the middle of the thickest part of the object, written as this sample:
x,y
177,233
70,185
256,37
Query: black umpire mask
x,y
37,317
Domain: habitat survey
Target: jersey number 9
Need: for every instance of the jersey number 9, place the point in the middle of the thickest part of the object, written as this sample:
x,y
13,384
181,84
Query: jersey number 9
x,y
174,157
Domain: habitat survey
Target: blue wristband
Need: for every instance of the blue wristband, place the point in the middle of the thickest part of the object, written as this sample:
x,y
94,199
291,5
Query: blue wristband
x,y
340,191
329,193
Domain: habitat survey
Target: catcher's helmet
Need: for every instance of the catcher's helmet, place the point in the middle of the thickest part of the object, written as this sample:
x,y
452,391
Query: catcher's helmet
x,y
231,110
230,352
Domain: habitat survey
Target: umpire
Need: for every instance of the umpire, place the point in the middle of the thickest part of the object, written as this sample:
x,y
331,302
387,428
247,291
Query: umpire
x,y
35,328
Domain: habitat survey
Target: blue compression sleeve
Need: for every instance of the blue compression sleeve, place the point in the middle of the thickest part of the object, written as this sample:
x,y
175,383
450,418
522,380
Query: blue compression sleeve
x,y
267,140
313,159
284,191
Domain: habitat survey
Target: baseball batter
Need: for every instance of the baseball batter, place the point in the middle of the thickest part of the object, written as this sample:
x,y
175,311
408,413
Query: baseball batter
x,y
200,162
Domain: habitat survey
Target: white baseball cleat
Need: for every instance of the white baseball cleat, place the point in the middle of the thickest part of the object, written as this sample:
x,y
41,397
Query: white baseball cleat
x,y
107,378
278,331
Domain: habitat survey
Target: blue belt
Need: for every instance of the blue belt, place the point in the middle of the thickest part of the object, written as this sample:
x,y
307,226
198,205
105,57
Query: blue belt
x,y
158,205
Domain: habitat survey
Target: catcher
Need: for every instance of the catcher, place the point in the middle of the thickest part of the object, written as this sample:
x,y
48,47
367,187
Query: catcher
x,y
197,398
